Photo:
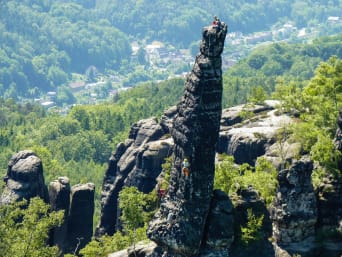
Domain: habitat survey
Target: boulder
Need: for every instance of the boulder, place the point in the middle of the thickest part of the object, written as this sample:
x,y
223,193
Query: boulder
x,y
24,178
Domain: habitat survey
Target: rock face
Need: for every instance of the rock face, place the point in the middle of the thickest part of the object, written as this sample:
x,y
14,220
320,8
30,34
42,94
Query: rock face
x,y
137,162
78,205
59,193
24,178
248,139
294,211
219,230
338,138
80,220
195,134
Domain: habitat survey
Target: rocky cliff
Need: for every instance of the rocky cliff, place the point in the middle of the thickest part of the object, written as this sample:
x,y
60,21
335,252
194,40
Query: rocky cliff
x,y
25,180
136,162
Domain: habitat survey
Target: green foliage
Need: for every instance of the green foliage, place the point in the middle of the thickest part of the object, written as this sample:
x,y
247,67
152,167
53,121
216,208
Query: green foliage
x,y
105,245
225,173
258,95
24,231
252,231
132,204
166,169
230,177
322,97
318,104
137,210
325,153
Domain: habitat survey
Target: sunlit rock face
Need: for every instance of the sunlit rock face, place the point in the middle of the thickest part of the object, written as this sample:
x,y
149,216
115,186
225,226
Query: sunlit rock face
x,y
24,178
136,162
195,133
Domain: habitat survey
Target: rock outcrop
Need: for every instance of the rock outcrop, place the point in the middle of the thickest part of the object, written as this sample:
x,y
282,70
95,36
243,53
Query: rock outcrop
x,y
59,193
195,133
248,200
249,138
24,178
219,230
294,211
80,219
137,162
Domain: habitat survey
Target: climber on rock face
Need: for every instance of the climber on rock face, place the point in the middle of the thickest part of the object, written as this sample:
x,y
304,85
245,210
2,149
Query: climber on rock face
x,y
185,167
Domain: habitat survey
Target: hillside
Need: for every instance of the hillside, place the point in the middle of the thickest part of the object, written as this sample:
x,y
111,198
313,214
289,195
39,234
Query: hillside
x,y
47,44
273,65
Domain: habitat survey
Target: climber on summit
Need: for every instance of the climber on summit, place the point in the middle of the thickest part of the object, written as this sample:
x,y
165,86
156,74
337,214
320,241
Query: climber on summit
x,y
214,23
186,166
217,23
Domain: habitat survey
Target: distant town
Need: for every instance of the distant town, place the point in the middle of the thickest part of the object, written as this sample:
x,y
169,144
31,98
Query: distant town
x,y
171,62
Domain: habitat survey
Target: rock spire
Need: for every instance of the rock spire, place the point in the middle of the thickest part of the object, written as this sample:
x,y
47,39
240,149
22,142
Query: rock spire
x,y
180,223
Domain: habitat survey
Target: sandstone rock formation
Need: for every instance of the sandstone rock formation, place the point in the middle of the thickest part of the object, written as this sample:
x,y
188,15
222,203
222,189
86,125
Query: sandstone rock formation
x,y
137,162
294,211
248,199
24,178
195,133
59,193
219,230
80,220
253,137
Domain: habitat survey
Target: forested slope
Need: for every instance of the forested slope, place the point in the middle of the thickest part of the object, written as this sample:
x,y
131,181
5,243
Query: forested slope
x,y
43,43
277,64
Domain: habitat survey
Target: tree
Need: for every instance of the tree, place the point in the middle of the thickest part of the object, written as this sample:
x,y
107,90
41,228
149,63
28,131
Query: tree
x,y
252,231
24,231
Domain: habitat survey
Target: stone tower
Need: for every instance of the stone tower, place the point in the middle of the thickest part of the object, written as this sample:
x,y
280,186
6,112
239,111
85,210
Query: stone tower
x,y
180,222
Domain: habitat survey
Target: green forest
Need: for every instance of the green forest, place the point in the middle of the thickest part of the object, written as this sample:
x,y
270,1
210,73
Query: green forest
x,y
279,63
45,44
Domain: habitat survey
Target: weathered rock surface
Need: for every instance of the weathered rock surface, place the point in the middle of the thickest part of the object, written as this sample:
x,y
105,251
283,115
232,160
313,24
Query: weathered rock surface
x,y
24,178
251,138
245,200
80,220
219,230
294,211
59,193
137,162
195,133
